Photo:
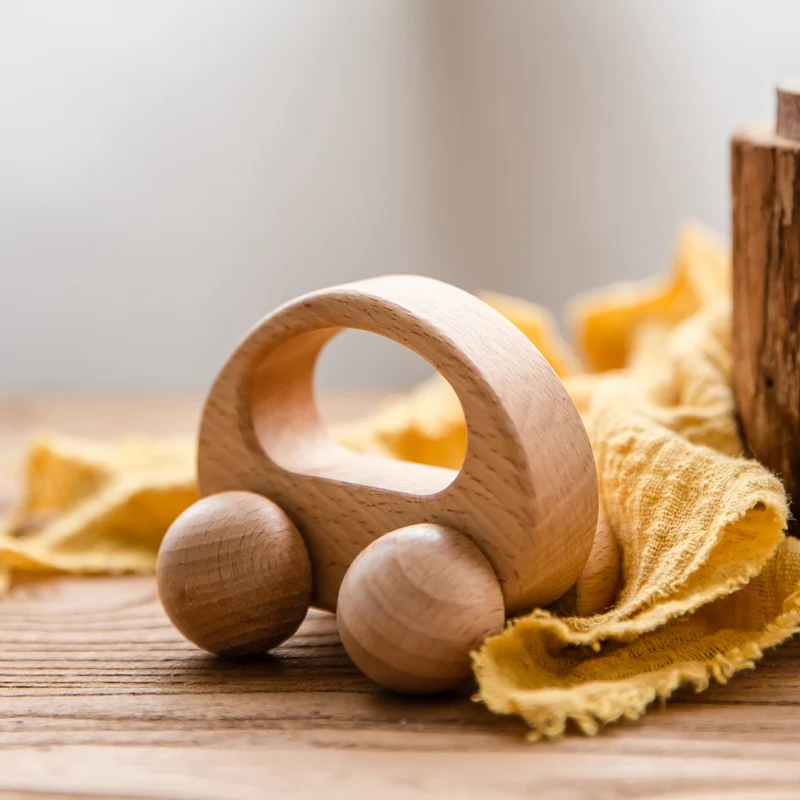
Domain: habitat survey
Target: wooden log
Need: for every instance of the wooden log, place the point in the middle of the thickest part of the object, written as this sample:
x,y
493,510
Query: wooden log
x,y
765,186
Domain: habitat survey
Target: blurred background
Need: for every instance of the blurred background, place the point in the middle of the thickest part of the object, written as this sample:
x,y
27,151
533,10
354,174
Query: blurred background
x,y
170,171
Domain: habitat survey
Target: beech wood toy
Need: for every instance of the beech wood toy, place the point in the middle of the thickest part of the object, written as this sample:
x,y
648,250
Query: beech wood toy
x,y
420,563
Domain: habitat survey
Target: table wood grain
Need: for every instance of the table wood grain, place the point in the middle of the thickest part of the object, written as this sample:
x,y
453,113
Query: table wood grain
x,y
100,697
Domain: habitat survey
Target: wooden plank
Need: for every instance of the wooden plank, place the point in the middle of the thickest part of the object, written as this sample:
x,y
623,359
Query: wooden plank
x,y
99,696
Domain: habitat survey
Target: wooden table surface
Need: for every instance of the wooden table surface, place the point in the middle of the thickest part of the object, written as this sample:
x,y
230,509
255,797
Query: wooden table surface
x,y
100,697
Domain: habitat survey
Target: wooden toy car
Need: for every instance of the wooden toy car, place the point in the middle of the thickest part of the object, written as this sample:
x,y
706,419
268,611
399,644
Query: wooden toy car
x,y
420,563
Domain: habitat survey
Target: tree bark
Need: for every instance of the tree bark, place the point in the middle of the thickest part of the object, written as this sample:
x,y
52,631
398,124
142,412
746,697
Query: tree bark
x,y
765,185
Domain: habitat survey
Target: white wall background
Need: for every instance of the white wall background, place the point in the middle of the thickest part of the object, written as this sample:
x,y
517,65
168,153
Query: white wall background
x,y
171,170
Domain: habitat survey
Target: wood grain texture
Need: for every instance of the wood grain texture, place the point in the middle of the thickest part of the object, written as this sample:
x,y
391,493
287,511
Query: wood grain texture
x,y
526,493
596,588
414,605
765,178
233,574
788,118
99,696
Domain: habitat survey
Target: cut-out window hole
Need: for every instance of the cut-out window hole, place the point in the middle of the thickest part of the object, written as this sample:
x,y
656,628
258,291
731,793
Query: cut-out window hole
x,y
312,394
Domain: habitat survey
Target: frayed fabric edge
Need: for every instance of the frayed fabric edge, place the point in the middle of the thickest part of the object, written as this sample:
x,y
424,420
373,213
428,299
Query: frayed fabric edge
x,y
629,699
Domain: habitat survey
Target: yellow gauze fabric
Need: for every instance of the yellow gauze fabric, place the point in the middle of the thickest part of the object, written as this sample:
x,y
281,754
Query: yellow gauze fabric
x,y
709,578
91,507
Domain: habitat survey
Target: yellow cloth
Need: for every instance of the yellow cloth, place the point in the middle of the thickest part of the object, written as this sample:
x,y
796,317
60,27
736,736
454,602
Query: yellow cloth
x,y
97,508
709,579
